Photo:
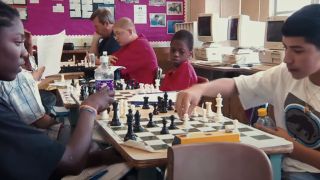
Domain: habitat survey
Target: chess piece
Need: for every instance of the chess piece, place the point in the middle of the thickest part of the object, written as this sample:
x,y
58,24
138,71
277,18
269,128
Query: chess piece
x,y
219,115
115,119
137,126
170,105
155,110
165,98
130,134
151,123
122,109
145,103
209,110
164,129
73,83
172,125
157,83
195,112
104,115
84,92
186,122
204,115
62,78
163,108
133,108
123,83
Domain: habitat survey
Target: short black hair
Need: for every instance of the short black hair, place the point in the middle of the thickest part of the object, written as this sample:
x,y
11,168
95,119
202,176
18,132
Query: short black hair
x,y
304,23
7,15
185,36
104,16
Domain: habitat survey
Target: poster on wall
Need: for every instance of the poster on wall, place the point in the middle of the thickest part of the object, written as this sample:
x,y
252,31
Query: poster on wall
x,y
174,8
171,26
157,19
157,2
130,1
140,14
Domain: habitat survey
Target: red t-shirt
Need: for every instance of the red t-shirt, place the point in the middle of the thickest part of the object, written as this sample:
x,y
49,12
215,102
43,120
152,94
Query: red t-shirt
x,y
139,59
178,79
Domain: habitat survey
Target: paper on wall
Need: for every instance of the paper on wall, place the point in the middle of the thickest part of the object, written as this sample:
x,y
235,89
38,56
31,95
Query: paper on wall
x,y
50,51
140,14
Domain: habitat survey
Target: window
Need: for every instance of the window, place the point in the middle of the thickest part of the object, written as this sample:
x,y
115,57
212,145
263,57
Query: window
x,y
287,7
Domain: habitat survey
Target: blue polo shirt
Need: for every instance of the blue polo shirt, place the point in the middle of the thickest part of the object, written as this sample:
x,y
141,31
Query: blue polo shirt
x,y
108,44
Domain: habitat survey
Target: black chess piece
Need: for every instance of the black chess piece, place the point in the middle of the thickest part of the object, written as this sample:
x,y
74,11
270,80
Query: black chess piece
x,y
145,103
155,110
92,89
132,84
137,126
165,98
115,119
151,123
163,108
164,129
127,85
170,105
172,125
159,102
73,83
84,92
130,134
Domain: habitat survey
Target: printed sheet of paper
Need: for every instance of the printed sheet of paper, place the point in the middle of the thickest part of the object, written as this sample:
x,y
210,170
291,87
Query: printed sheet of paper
x,y
49,52
140,14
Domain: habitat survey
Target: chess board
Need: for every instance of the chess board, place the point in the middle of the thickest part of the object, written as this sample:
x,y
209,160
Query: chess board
x,y
153,141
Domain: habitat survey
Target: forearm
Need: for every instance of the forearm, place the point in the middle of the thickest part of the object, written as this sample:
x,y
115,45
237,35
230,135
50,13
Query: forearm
x,y
44,122
94,46
306,155
225,86
76,153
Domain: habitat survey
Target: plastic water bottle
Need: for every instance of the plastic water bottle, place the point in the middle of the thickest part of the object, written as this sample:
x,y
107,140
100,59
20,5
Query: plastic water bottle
x,y
264,119
103,75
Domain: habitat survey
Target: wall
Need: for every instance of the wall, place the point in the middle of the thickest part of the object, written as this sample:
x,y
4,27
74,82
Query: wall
x,y
42,21
258,10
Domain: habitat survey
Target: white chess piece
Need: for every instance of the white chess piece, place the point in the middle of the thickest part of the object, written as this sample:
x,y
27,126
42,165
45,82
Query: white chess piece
x,y
209,110
157,84
104,115
123,83
195,112
235,124
186,122
204,115
121,109
62,78
133,108
219,115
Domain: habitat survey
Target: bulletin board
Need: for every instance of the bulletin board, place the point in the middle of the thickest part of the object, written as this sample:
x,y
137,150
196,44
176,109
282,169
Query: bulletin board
x,y
41,20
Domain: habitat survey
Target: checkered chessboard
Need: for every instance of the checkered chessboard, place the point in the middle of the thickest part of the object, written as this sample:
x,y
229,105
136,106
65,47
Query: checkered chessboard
x,y
151,139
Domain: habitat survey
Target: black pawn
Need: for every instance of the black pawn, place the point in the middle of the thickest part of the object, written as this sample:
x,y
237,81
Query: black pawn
x,y
172,125
145,103
115,119
73,83
137,126
170,106
164,129
130,134
151,123
127,85
155,110
163,107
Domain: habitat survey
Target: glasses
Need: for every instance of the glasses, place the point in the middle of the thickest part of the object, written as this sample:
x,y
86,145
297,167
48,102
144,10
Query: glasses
x,y
119,33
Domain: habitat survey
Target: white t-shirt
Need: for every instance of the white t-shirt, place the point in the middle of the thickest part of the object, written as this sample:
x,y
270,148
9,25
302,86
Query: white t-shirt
x,y
289,96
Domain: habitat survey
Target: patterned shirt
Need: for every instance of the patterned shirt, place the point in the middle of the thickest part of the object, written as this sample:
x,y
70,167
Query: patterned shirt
x,y
23,96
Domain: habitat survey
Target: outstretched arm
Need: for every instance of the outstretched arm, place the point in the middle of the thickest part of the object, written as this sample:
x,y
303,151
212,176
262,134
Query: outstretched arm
x,y
189,98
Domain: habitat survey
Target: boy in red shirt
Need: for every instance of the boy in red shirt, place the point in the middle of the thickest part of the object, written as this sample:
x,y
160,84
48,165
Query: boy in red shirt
x,y
136,53
183,75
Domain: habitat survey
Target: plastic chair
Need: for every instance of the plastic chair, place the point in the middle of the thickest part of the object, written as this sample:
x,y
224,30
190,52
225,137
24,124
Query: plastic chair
x,y
223,161
202,80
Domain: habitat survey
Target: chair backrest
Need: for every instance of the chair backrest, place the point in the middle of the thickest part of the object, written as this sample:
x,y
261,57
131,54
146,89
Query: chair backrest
x,y
223,161
202,79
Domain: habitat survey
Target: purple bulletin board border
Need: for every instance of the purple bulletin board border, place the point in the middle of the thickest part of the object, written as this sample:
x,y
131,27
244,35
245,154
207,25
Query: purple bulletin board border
x,y
42,21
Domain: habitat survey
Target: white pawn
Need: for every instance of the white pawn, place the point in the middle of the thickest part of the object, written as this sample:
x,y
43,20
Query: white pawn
x,y
235,124
209,110
204,115
121,108
123,83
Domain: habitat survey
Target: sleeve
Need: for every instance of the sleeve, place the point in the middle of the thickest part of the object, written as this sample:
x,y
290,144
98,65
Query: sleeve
x,y
25,152
32,108
259,88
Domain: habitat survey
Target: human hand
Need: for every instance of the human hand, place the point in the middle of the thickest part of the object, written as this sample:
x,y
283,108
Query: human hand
x,y
277,132
188,99
100,100
37,74
112,59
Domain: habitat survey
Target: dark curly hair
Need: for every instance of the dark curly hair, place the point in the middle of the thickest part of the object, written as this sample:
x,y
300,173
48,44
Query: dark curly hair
x,y
185,36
